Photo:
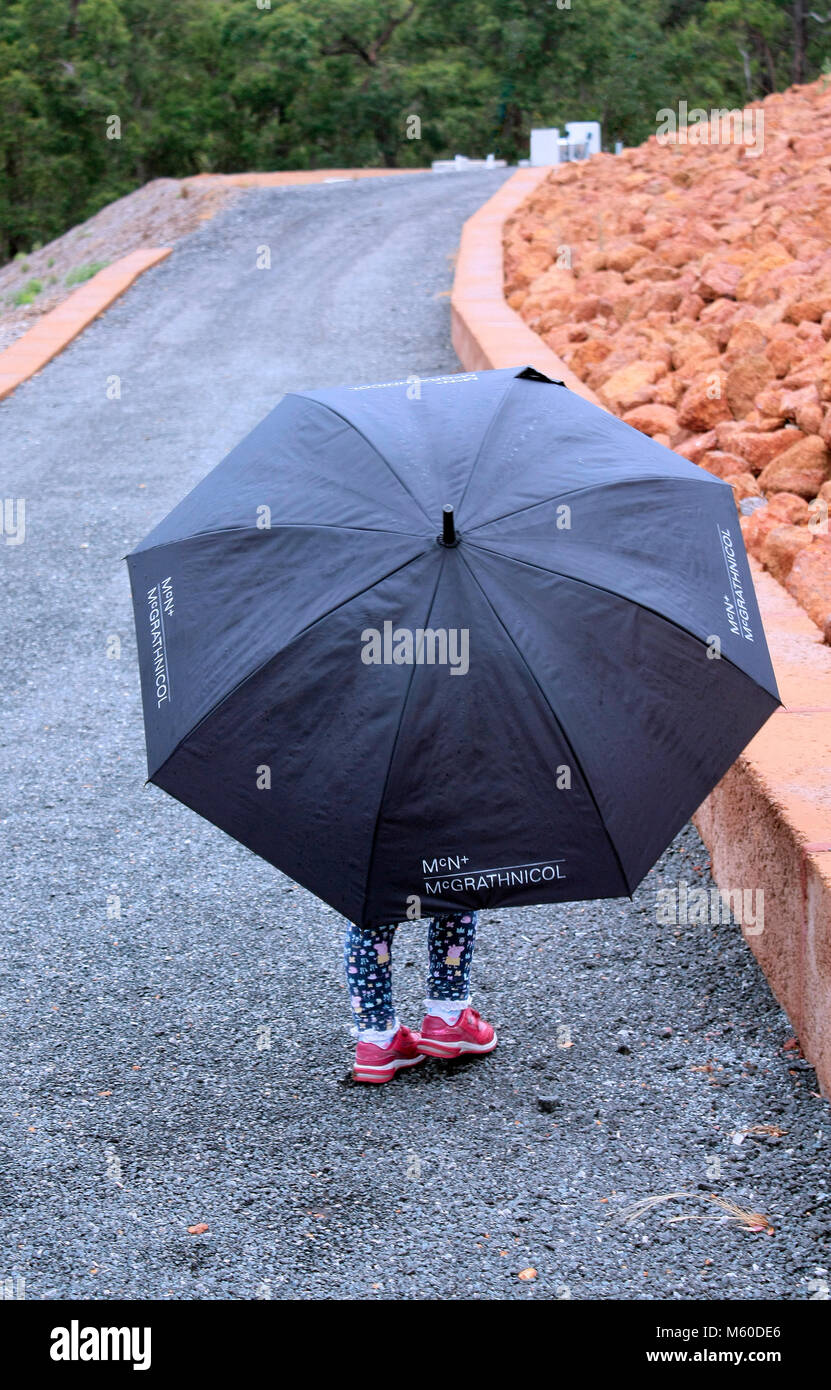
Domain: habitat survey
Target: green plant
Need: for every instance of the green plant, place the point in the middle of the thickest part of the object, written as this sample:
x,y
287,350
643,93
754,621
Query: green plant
x,y
80,273
28,294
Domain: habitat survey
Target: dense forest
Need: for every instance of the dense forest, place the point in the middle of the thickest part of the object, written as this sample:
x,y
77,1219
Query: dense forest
x,y
98,96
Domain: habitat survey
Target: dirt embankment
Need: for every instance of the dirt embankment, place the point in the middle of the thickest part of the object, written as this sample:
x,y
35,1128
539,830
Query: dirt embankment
x,y
156,215
689,284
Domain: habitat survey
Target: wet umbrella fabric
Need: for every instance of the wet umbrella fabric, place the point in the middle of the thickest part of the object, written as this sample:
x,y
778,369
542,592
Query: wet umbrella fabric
x,y
598,659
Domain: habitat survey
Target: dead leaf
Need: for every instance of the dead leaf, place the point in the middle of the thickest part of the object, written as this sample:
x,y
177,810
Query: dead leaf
x,y
753,1221
527,1274
198,1230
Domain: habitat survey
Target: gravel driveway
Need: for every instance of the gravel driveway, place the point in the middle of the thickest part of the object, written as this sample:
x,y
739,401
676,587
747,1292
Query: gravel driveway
x,y
174,1028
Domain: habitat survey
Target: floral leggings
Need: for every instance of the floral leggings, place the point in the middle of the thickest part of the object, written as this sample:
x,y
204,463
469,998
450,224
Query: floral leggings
x,y
368,962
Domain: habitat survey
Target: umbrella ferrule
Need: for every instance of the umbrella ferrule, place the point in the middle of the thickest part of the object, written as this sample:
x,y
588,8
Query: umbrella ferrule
x,y
448,528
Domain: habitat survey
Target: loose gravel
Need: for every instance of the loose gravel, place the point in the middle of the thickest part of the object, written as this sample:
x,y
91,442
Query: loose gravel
x,y
174,1026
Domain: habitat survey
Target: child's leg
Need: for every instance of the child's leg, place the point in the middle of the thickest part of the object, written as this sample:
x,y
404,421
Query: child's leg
x,y
450,943
368,962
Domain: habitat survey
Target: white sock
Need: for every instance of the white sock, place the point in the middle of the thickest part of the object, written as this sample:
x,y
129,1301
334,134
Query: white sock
x,y
447,1009
381,1037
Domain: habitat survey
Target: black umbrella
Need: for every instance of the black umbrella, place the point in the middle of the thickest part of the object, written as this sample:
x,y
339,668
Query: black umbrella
x,y
411,708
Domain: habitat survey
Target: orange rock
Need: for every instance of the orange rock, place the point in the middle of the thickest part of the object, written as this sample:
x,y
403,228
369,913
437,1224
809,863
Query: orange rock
x,y
781,547
690,306
783,508
623,256
743,485
656,232
746,337
689,347
722,464
755,529
769,402
587,354
559,341
653,419
675,251
807,372
801,469
591,308
661,298
725,431
810,582
750,375
704,402
650,268
780,352
668,389
720,311
789,507
761,449
533,263
759,283
811,308
719,280
803,407
697,446
754,423
620,390
811,333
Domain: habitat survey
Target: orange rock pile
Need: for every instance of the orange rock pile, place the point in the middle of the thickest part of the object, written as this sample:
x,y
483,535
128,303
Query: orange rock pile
x,y
689,285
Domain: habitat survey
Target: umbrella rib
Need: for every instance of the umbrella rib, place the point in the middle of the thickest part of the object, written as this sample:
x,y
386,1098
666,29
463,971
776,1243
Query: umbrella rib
x,y
402,712
262,665
279,526
588,487
553,712
601,588
491,423
374,449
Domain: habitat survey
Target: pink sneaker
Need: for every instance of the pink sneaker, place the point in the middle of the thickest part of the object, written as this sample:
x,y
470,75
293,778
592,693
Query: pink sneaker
x,y
376,1064
470,1033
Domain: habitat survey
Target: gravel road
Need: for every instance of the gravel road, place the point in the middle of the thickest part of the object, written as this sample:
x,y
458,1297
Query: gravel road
x,y
174,1027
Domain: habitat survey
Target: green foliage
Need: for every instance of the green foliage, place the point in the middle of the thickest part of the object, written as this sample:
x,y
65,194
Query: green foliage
x,y
29,293
79,273
99,96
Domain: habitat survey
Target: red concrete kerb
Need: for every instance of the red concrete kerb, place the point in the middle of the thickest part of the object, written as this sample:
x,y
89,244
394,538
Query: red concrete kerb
x,y
51,334
767,824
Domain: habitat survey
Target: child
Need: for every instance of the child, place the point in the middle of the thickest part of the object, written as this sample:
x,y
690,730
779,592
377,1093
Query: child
x,y
450,1028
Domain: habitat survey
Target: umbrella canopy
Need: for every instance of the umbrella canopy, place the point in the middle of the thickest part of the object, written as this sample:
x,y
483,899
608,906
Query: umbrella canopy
x,y
411,710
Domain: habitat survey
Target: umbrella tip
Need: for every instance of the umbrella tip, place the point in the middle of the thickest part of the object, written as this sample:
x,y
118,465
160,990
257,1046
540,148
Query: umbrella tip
x,y
448,527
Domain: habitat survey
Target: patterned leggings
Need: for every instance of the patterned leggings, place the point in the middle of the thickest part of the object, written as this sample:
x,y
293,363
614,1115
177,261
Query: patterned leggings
x,y
368,961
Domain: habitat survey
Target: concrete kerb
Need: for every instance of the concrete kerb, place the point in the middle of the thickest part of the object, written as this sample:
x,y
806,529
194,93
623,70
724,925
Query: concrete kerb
x,y
55,330
767,824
